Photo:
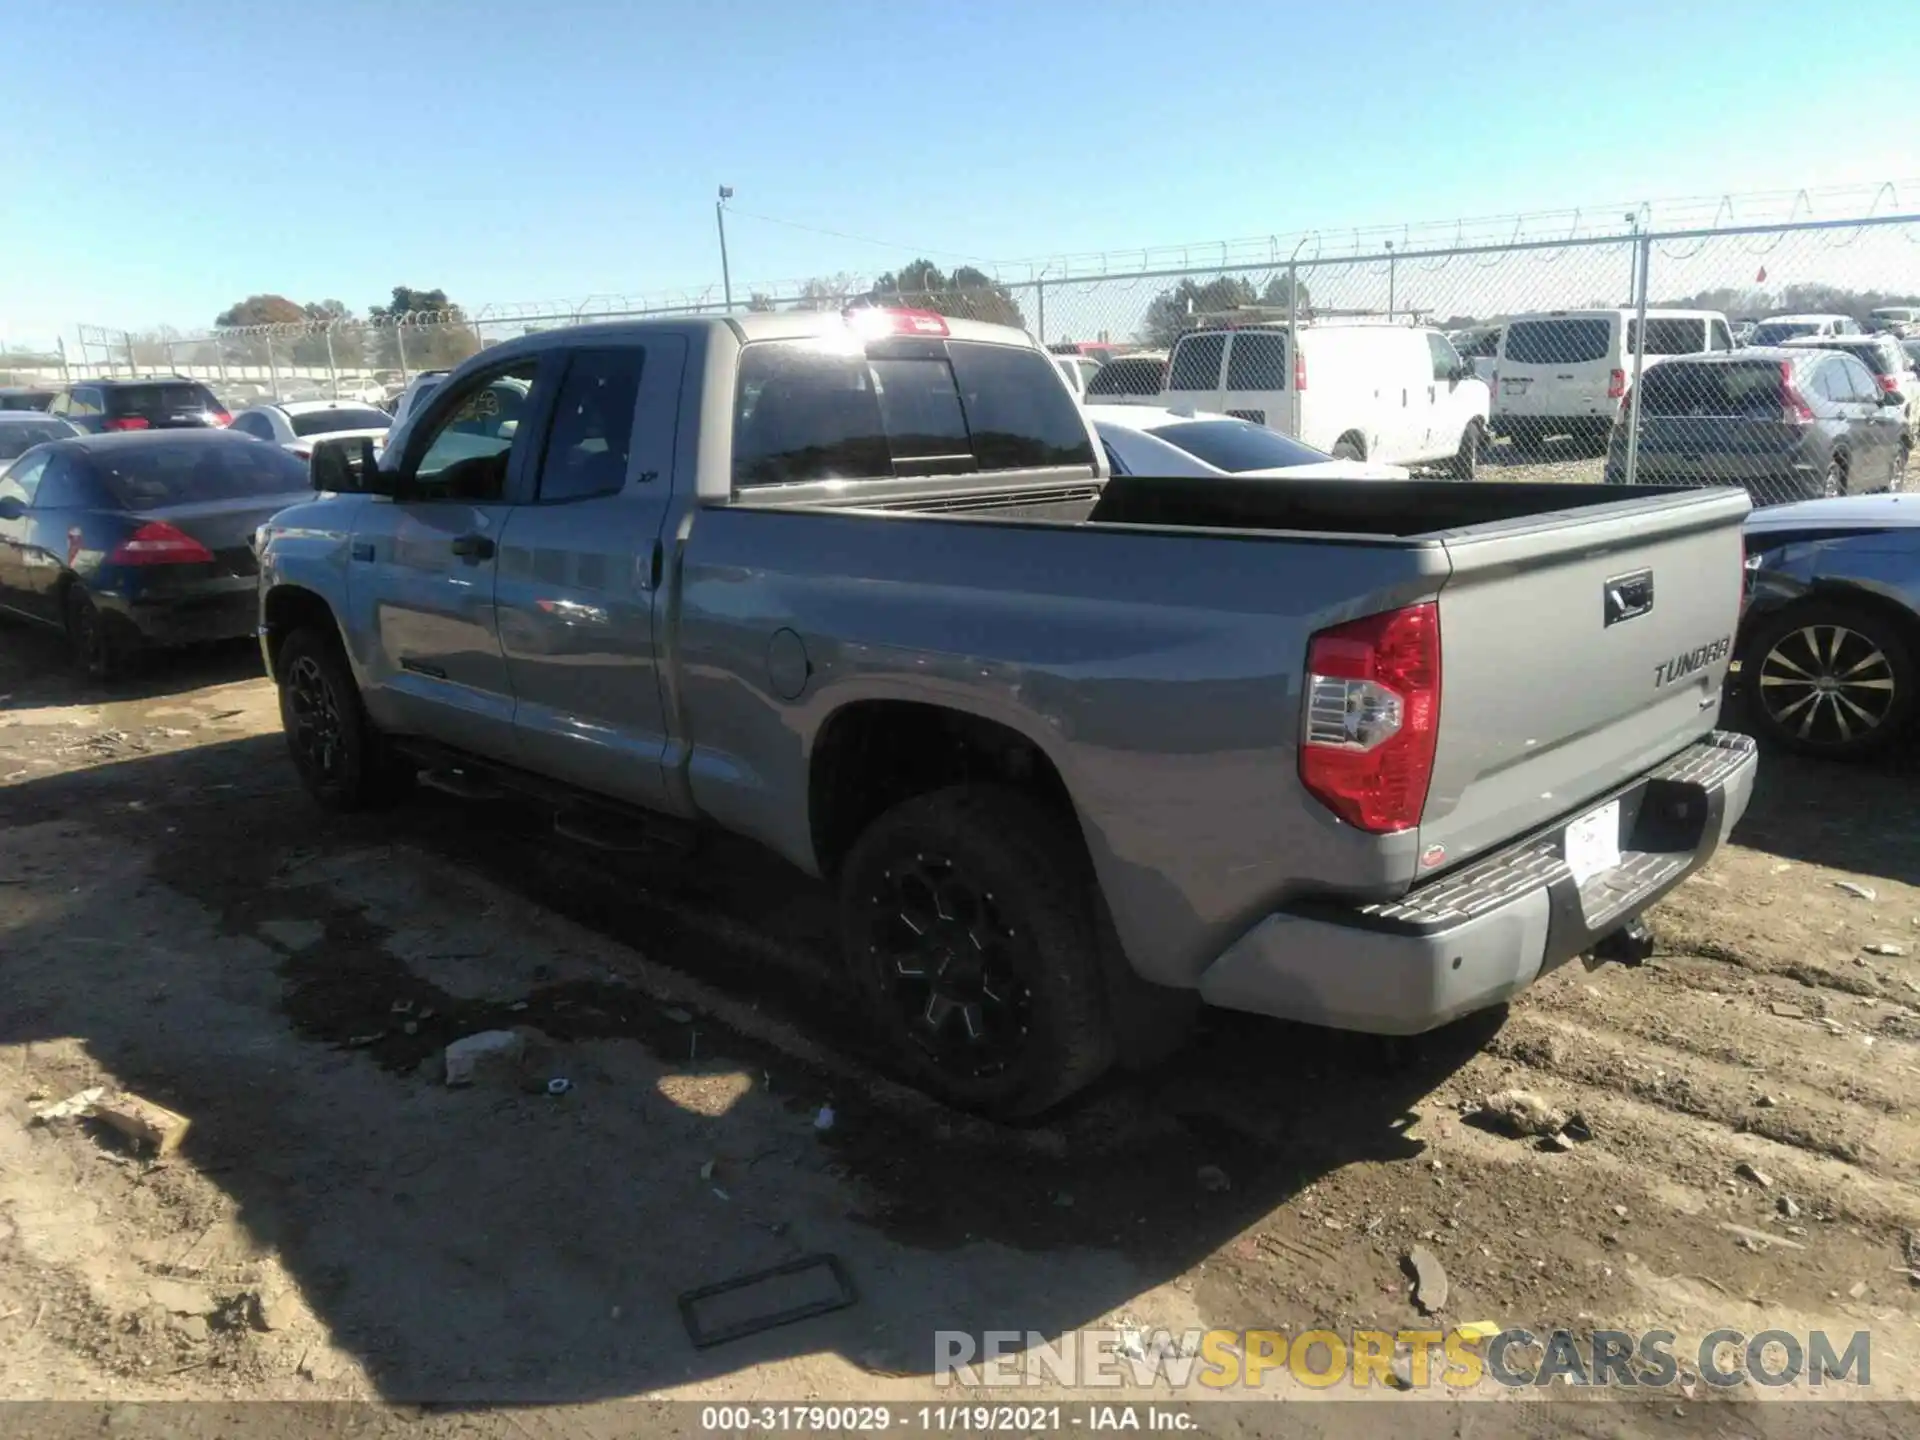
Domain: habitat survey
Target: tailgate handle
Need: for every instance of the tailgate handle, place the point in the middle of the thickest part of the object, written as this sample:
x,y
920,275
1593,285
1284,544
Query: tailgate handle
x,y
1628,596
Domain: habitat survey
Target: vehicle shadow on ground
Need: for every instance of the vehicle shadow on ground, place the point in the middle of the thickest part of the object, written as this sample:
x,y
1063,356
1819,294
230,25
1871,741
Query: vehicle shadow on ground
x,y
472,1248
1834,813
35,671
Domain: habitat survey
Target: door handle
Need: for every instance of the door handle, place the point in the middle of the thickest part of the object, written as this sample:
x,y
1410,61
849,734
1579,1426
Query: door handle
x,y
474,547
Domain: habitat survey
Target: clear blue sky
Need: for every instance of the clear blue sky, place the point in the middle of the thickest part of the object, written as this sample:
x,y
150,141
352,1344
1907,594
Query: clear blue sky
x,y
335,148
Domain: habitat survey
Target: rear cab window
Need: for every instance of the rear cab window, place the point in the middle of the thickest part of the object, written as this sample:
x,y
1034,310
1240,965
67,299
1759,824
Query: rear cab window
x,y
807,410
1558,341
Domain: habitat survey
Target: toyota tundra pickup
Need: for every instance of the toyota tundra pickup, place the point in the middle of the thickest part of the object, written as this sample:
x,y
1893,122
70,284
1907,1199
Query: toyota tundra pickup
x,y
1077,751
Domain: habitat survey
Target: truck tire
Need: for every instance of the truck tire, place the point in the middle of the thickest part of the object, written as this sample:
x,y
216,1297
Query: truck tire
x,y
343,761
1465,464
969,921
1830,678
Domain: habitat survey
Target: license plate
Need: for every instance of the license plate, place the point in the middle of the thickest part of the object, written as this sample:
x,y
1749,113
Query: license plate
x,y
1593,842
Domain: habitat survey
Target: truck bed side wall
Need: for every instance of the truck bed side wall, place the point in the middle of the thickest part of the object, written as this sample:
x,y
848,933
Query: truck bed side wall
x,y
1158,672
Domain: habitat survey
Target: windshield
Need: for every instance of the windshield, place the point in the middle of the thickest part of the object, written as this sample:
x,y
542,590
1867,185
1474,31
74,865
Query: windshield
x,y
1774,331
340,417
16,440
146,477
1238,446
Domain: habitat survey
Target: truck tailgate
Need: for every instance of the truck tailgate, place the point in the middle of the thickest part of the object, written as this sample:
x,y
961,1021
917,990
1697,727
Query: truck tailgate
x,y
1577,651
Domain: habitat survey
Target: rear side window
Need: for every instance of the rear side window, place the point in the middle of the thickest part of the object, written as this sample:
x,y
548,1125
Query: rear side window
x,y
807,411
1668,337
148,476
26,400
1128,376
1742,388
17,439
1557,342
1196,363
1257,361
152,400
343,417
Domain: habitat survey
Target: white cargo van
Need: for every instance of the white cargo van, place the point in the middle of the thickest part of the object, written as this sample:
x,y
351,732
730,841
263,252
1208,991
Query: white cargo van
x,y
1359,390
1565,372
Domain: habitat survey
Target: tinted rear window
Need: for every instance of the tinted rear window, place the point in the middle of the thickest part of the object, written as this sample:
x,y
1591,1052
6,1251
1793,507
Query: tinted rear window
x,y
17,439
1557,342
148,476
1747,388
1128,377
1257,361
160,400
345,417
1196,363
1773,332
1669,337
807,411
1238,445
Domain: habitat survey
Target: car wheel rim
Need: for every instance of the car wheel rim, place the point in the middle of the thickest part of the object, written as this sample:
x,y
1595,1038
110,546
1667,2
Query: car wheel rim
x,y
316,717
945,955
1827,685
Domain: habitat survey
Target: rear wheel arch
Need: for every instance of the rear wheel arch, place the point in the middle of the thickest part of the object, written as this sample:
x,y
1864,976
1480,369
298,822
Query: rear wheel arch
x,y
1896,625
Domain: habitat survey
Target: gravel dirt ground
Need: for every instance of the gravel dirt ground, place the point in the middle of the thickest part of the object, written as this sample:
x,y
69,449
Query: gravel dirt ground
x,y
176,920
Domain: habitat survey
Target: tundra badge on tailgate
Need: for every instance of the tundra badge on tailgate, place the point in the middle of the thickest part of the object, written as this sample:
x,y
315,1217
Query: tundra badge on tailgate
x,y
1682,666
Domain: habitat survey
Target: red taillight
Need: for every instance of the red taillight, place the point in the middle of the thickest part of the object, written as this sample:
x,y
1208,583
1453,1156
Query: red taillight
x,y
220,417
1616,384
1372,717
158,543
1795,410
125,422
1299,370
874,319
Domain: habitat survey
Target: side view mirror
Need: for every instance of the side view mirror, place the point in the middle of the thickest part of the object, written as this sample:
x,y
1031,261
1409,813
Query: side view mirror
x,y
348,466
11,507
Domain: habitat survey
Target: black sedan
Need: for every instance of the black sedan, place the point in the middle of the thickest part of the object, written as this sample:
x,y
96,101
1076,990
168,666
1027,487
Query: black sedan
x,y
1830,638
21,430
128,541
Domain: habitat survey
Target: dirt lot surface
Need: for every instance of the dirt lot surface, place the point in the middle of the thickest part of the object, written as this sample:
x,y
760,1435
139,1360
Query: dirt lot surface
x,y
177,921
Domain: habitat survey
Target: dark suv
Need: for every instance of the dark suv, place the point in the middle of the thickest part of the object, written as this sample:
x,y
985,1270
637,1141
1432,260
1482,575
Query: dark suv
x,y
1788,424
171,404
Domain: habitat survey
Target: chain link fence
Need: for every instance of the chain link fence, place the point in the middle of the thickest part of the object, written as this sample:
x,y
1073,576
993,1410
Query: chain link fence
x,y
1779,356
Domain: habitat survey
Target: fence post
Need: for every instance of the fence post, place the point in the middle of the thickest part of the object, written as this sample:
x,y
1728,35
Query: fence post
x,y
1645,246
1040,295
60,344
220,356
133,369
1293,349
400,339
273,369
333,375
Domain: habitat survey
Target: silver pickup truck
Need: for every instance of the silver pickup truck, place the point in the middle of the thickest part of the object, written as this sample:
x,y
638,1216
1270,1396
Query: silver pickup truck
x,y
1078,751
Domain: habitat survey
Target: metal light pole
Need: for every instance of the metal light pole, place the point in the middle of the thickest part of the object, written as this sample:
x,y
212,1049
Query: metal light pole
x,y
1392,266
720,219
